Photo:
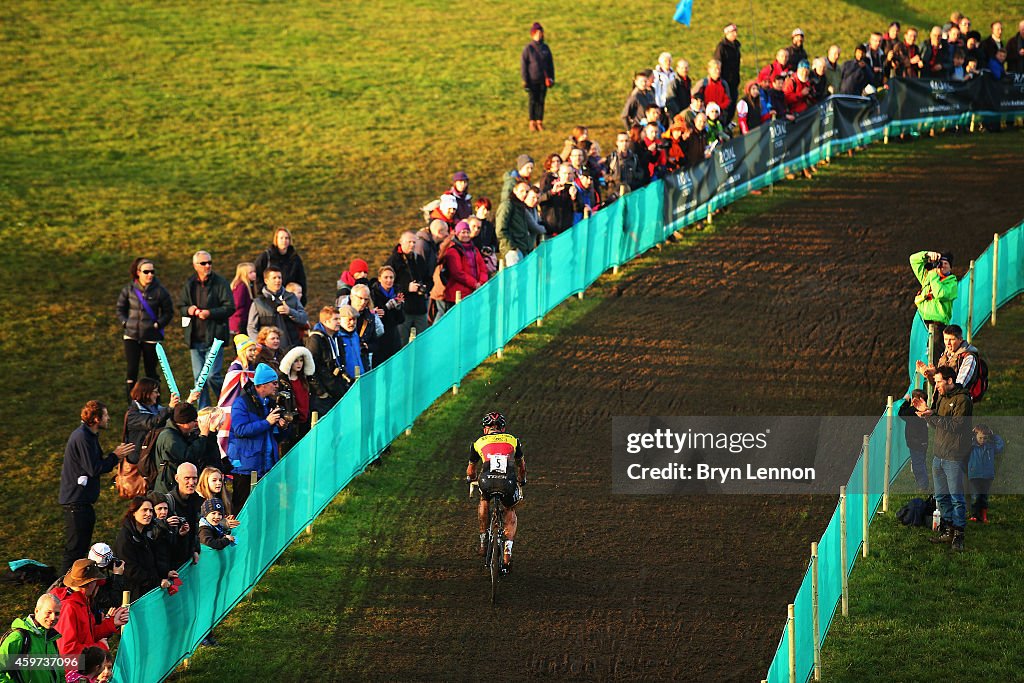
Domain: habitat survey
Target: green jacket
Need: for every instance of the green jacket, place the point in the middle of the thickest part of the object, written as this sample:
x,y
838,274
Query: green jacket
x,y
935,302
171,449
952,422
510,221
40,642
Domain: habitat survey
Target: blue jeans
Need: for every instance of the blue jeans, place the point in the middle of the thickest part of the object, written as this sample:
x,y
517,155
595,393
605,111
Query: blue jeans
x,y
919,466
949,490
216,379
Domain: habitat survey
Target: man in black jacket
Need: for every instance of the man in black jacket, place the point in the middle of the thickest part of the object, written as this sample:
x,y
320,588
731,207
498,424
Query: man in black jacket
x,y
84,463
412,279
728,53
951,419
329,383
537,69
179,444
276,307
206,304
183,505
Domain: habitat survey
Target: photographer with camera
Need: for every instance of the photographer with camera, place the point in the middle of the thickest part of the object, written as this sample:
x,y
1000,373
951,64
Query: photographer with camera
x,y
939,288
144,569
411,274
387,297
252,446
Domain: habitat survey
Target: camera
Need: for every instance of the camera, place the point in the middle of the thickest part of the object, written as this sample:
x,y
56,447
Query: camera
x,y
283,400
487,251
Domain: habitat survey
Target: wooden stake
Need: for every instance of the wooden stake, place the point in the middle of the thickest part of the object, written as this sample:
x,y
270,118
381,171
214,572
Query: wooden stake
x,y
864,516
791,627
126,599
253,478
885,136
579,295
970,302
615,270
888,455
995,275
843,559
814,612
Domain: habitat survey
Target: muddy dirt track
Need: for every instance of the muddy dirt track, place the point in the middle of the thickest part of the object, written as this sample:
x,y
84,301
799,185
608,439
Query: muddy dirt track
x,y
804,311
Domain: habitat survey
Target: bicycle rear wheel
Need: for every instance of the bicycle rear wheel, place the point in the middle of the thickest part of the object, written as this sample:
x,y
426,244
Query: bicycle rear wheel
x,y
497,534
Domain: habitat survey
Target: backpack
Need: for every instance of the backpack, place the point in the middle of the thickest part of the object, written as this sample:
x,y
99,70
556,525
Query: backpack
x,y
916,512
978,384
137,479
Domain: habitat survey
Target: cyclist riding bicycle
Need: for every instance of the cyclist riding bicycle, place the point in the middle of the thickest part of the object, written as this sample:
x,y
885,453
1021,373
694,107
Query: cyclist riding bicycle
x,y
491,460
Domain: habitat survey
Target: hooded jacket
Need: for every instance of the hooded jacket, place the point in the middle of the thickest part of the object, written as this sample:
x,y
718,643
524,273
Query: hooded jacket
x,y
935,301
410,268
466,270
141,570
77,625
172,448
252,445
41,642
952,423
290,264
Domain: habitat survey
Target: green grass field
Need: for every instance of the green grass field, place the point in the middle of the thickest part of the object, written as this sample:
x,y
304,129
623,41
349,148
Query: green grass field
x,y
155,129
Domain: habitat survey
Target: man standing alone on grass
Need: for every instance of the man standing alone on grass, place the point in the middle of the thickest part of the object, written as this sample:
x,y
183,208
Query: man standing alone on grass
x,y
537,68
84,464
951,419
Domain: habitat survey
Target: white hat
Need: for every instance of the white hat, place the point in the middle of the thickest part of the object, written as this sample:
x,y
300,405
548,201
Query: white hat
x,y
101,554
798,32
448,201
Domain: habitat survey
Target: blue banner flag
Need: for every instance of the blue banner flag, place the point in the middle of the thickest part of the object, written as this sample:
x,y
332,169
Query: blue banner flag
x,y
683,11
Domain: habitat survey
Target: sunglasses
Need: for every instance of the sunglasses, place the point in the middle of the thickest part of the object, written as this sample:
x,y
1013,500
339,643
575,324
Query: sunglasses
x,y
204,263
147,272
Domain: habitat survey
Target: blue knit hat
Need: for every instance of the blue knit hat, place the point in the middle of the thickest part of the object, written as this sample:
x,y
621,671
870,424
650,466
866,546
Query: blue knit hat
x,y
212,505
264,374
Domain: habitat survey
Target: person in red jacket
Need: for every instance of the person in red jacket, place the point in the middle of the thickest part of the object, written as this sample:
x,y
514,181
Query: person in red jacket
x,y
798,90
77,625
464,264
714,89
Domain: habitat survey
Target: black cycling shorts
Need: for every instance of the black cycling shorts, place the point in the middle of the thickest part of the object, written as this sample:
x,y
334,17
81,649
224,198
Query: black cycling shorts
x,y
511,493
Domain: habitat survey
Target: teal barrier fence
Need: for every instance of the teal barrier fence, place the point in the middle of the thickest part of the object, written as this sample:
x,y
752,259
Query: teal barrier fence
x,y
164,629
1009,279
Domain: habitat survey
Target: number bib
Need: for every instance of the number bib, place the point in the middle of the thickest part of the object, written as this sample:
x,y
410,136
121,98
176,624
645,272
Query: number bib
x,y
498,464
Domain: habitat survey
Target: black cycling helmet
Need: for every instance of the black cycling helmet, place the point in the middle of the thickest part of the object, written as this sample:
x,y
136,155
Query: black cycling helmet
x,y
493,419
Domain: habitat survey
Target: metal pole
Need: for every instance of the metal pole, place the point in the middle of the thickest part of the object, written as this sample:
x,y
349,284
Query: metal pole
x,y
888,455
843,559
864,516
814,612
995,275
314,417
970,303
501,309
458,351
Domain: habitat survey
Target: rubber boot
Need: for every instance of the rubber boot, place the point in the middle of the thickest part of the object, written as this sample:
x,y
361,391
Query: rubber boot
x,y
958,539
945,534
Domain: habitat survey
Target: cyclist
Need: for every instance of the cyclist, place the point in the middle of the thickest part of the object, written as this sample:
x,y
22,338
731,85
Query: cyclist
x,y
496,461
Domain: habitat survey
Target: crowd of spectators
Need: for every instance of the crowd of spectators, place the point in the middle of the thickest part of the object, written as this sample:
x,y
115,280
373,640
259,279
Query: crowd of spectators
x,y
175,459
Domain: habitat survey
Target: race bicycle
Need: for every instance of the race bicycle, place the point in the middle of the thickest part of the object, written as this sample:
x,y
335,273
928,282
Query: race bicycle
x,y
495,546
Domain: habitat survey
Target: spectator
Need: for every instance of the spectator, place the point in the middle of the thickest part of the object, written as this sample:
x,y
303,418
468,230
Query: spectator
x,y
1015,50
487,237
134,545
753,109
916,436
639,148
465,266
580,140
696,141
716,133
981,469
779,67
162,539
358,273
906,56
443,209
959,72
210,420
242,292
212,532
386,297
144,415
369,324
429,243
661,79
77,625
656,156
84,464
623,166
177,444
952,448
296,368
833,70
577,158
489,253
537,69
271,353
819,80
107,672
556,201
90,664
411,278
856,73
510,220
252,447
974,52
796,53
276,307
939,289
144,308
890,40
206,306
533,220
352,350
301,329
957,354
211,485
587,199
239,372
639,100
282,255
798,91
933,55
965,26
183,514
460,190
994,42
875,58
714,88
677,97
727,52
34,636
775,96
324,344
997,66
675,154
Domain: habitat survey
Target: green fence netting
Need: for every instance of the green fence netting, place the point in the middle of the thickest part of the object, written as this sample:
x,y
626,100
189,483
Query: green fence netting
x,y
164,629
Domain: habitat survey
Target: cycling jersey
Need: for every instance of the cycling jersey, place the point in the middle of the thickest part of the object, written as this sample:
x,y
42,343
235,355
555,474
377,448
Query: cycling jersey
x,y
498,453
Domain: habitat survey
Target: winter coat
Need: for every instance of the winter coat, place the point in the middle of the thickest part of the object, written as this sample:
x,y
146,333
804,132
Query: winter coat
x,y
182,547
290,264
328,362
213,536
915,429
390,342
220,302
139,421
139,325
77,626
141,572
556,207
935,301
263,313
466,270
172,448
41,642
795,55
252,445
354,353
834,76
728,53
83,457
855,77
536,65
677,95
982,463
952,424
510,224
411,268
717,92
798,95
637,103
239,320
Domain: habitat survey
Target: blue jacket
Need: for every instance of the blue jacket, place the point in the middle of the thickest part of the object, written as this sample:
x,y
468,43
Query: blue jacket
x,y
352,350
251,445
982,464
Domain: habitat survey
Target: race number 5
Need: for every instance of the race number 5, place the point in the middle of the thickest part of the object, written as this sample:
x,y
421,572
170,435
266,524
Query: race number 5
x,y
499,463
